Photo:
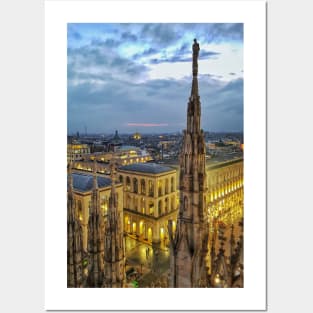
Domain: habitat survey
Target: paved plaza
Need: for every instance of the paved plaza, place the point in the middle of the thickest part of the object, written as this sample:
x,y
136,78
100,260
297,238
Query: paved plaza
x,y
148,265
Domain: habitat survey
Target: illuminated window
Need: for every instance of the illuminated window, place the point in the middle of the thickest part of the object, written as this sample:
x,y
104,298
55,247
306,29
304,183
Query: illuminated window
x,y
160,188
151,208
151,188
166,205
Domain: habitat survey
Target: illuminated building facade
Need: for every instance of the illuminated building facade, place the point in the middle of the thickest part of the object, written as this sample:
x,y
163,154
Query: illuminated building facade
x,y
76,151
137,136
125,155
225,191
150,200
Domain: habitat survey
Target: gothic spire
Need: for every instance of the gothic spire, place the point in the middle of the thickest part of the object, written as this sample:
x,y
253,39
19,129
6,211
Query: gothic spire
x,y
189,246
114,256
74,238
195,55
95,236
194,106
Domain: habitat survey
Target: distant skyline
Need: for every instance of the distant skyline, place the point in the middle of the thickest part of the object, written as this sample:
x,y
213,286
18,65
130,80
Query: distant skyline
x,y
137,77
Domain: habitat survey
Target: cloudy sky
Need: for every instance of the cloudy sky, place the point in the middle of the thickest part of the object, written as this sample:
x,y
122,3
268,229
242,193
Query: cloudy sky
x,y
137,77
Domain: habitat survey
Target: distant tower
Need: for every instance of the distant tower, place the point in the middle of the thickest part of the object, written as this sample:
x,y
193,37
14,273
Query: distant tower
x,y
114,250
189,246
74,240
95,237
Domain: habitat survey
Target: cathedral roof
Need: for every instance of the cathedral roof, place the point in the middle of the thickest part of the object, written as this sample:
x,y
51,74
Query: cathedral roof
x,y
84,182
152,168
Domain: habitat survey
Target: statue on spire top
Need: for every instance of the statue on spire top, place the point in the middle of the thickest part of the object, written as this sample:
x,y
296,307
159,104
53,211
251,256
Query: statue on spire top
x,y
195,54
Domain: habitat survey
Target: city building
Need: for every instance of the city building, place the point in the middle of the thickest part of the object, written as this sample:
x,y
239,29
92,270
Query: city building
x,y
136,136
124,155
115,142
150,200
82,194
225,190
76,151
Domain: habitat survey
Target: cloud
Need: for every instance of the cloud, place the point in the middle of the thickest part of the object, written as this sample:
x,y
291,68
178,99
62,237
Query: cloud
x,y
129,36
110,82
117,103
181,58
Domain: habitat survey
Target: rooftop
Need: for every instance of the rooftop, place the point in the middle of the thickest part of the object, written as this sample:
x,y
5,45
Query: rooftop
x,y
152,168
84,182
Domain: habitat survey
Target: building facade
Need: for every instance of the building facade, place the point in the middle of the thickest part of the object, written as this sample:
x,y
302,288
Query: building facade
x,y
82,194
76,151
150,200
225,191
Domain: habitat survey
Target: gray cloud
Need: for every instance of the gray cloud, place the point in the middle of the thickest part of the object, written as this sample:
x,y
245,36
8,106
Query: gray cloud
x,y
181,58
118,102
106,90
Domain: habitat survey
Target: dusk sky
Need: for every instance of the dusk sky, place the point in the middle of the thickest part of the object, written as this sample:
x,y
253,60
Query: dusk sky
x,y
137,77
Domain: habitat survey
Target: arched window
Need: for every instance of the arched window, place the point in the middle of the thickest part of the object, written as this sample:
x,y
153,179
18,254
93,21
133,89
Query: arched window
x,y
166,205
166,186
143,186
151,188
143,205
121,179
151,208
160,185
135,182
127,183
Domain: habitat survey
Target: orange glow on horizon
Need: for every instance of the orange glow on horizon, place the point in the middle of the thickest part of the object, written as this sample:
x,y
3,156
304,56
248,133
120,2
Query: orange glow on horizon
x,y
147,124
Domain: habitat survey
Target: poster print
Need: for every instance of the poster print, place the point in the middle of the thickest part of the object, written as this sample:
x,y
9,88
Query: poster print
x,y
155,166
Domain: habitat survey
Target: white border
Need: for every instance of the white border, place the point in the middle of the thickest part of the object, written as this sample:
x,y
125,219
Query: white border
x,y
57,15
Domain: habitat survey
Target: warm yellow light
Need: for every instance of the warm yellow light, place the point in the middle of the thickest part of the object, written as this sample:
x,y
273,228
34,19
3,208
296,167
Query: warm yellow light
x,y
217,279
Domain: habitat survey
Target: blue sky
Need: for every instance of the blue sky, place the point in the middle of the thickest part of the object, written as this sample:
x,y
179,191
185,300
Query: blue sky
x,y
137,77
